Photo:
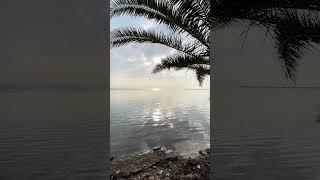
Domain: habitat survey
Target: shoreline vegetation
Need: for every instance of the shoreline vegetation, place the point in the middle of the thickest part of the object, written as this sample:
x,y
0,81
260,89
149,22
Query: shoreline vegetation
x,y
161,164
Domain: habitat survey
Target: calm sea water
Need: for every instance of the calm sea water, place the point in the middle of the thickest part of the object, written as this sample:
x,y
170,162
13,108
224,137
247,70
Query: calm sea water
x,y
52,134
266,133
144,118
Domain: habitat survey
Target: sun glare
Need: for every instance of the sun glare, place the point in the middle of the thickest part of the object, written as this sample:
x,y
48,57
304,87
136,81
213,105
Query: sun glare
x,y
155,89
157,60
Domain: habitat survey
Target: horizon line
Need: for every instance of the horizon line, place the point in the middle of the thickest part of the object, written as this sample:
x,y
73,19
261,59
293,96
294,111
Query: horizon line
x,y
298,87
160,88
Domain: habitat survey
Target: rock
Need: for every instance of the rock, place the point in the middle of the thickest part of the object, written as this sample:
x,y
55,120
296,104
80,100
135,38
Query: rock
x,y
191,176
208,150
160,165
172,158
202,152
157,148
111,158
169,151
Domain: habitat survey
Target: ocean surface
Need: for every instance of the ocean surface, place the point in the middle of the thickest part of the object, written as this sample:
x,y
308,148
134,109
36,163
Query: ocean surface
x,y
266,133
144,118
52,134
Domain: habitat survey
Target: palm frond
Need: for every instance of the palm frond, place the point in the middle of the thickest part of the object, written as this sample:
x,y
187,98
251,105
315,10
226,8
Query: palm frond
x,y
196,13
288,4
199,65
293,25
122,36
265,13
294,32
294,36
163,12
201,73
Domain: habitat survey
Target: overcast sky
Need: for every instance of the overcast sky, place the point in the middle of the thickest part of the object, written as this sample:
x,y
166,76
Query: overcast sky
x,y
52,42
131,65
39,45
255,62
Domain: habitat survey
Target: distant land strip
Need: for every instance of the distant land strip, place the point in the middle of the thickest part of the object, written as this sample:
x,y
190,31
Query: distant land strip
x,y
196,89
282,87
127,89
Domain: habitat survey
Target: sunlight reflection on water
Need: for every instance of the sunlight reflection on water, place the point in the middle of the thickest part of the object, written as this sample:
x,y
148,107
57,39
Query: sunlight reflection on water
x,y
141,120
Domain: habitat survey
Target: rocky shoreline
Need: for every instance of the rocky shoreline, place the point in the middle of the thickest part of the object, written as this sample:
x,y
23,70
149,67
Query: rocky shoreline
x,y
161,164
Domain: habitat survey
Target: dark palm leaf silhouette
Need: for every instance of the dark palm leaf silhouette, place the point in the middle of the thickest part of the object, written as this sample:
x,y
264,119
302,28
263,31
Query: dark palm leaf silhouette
x,y
188,31
293,24
295,35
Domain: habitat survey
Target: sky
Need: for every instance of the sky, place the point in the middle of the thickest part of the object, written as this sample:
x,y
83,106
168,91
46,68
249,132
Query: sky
x,y
254,62
42,47
52,42
131,65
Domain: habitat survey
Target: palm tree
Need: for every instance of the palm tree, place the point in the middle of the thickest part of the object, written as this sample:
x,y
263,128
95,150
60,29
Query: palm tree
x,y
293,24
188,31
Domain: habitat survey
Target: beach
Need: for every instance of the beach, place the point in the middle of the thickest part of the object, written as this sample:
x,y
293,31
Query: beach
x,y
161,164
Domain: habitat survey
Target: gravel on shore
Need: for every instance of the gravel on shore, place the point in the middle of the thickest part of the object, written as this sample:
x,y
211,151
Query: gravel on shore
x,y
161,164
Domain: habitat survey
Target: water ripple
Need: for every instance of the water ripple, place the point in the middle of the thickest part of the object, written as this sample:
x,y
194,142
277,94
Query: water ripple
x,y
160,118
